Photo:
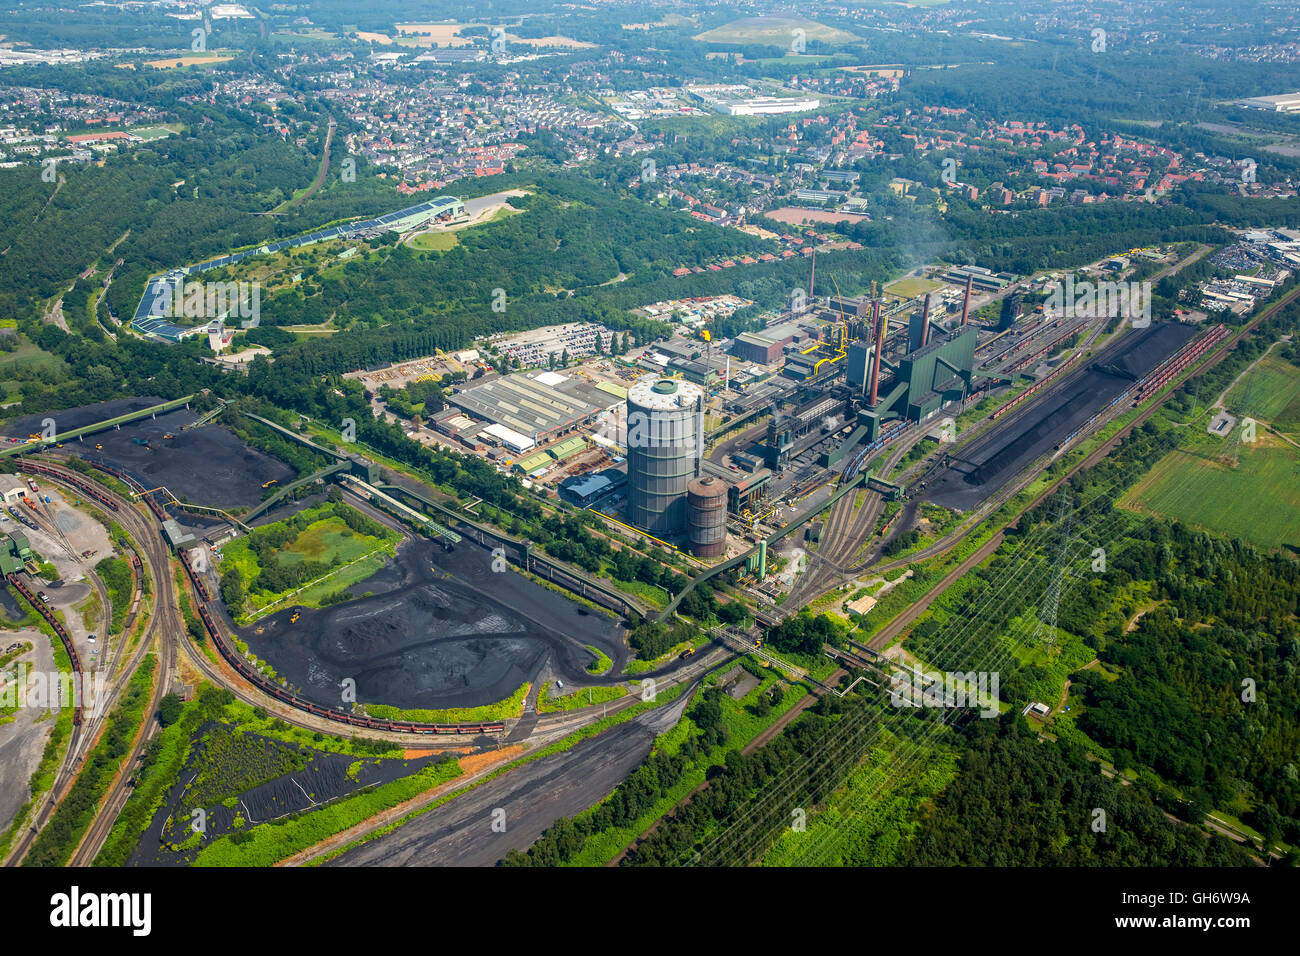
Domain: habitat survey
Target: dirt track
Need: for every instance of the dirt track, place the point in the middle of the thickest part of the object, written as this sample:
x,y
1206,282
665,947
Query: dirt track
x,y
533,797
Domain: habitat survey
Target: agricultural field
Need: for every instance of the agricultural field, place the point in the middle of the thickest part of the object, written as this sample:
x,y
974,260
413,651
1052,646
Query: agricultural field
x,y
171,63
1256,499
775,31
1269,392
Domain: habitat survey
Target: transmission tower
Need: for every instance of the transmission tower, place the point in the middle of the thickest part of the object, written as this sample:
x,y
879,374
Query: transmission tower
x,y
1045,630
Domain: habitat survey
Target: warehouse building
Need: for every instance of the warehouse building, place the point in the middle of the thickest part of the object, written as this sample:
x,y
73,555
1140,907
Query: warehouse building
x,y
1284,103
15,552
511,439
583,490
538,406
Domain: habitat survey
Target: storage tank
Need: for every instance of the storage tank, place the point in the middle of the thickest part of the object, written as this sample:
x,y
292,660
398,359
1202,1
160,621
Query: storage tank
x,y
665,427
706,516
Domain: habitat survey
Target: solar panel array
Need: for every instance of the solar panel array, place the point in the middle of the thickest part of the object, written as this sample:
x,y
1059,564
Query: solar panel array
x,y
148,314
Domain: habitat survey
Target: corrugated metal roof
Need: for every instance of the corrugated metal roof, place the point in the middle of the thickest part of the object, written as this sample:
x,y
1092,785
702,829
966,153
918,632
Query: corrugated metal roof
x,y
532,462
568,448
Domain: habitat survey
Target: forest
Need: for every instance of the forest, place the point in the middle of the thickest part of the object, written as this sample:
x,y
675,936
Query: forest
x,y
1017,801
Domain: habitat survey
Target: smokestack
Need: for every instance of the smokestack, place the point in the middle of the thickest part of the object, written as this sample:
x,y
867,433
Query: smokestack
x,y
812,279
925,321
880,345
965,306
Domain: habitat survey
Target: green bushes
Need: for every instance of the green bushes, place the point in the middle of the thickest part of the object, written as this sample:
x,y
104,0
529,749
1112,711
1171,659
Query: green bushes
x,y
602,662
55,844
547,703
231,763
162,764
269,843
116,575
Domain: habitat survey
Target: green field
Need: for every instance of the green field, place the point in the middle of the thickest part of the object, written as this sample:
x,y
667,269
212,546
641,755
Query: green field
x,y
1269,392
156,132
434,241
775,31
29,363
319,536
1258,500
911,287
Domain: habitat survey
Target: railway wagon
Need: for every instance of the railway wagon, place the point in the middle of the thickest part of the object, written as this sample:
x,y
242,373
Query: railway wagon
x,y
194,576
44,610
68,477
253,676
235,660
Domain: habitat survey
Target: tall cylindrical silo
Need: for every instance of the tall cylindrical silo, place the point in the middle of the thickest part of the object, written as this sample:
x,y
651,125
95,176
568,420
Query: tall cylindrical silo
x,y
706,516
665,426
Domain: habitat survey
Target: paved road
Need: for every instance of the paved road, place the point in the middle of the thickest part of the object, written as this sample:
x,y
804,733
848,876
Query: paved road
x,y
534,796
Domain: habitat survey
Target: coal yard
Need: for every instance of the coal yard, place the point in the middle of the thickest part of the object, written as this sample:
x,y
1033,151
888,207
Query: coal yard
x,y
981,469
321,776
208,465
533,797
438,630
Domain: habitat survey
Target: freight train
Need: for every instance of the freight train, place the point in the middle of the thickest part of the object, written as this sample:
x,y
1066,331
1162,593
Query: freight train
x,y
1167,370
68,477
232,656
194,576
265,684
44,610
998,413
888,432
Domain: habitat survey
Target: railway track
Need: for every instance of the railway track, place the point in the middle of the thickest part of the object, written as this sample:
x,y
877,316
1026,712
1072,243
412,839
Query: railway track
x,y
827,580
847,526
895,627
165,621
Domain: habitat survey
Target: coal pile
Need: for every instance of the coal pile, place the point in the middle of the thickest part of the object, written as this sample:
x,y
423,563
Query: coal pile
x,y
208,465
439,629
1011,445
